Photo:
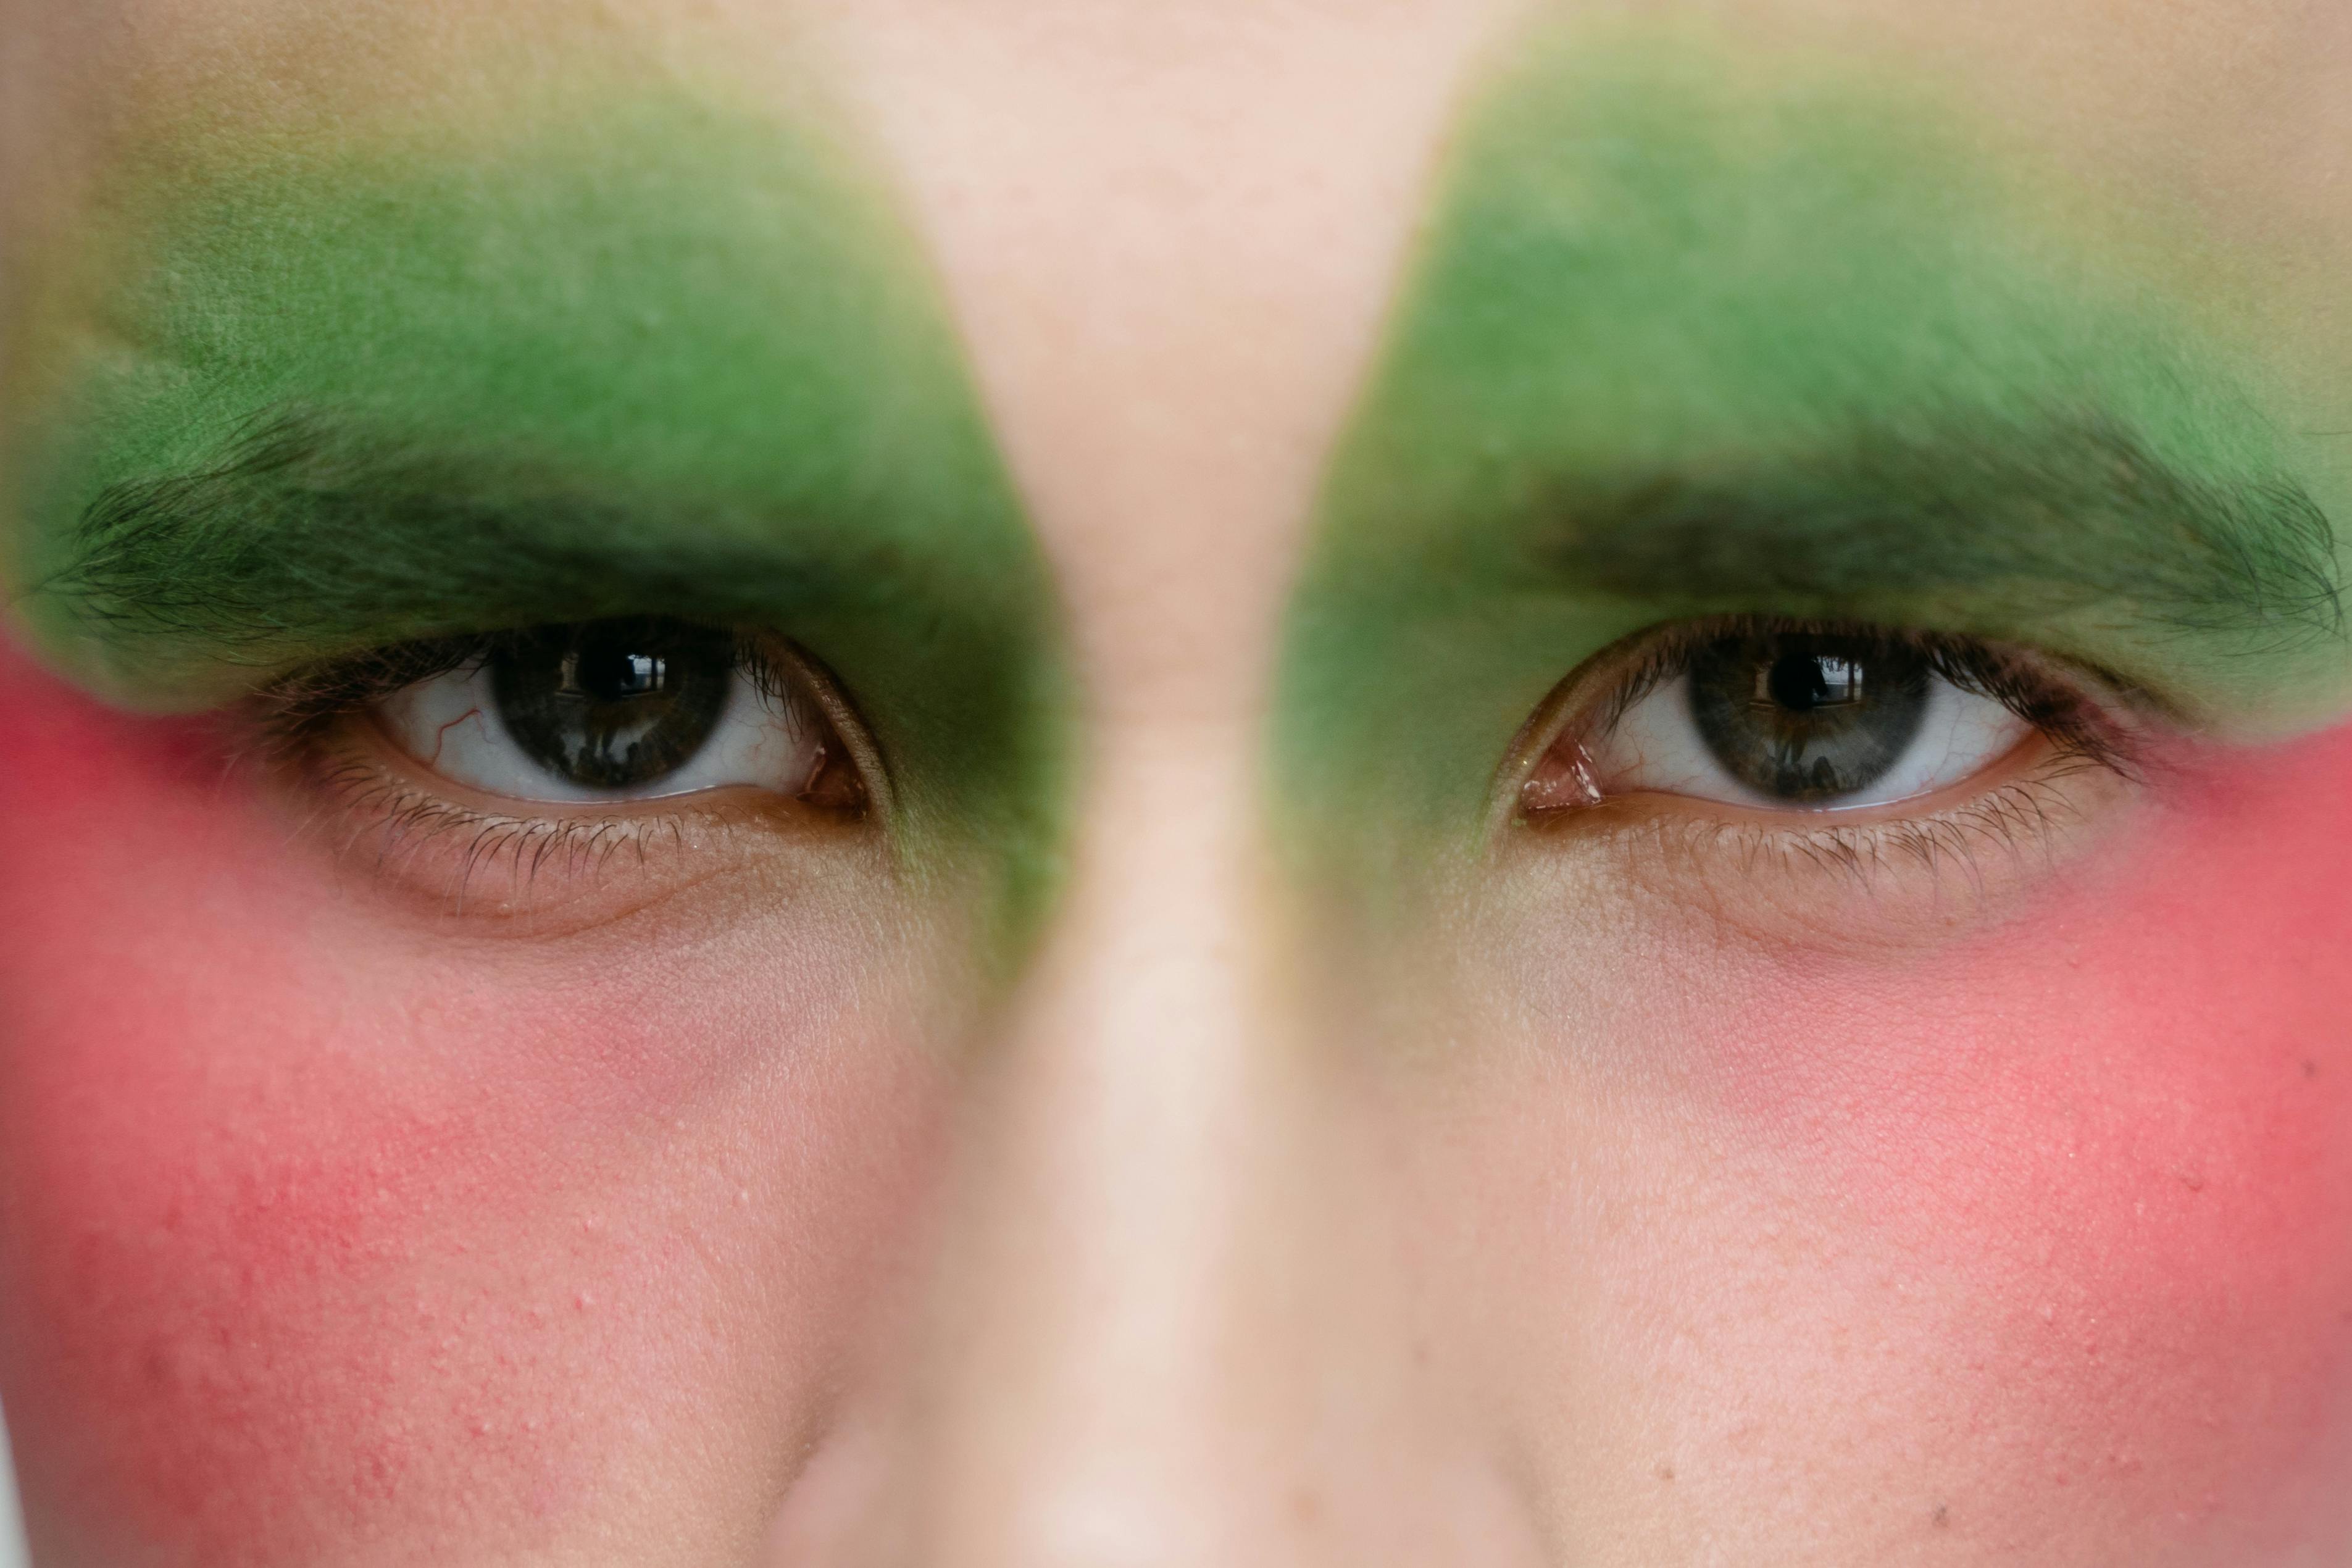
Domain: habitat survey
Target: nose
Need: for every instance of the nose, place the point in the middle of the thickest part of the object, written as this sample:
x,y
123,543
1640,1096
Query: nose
x,y
1165,1323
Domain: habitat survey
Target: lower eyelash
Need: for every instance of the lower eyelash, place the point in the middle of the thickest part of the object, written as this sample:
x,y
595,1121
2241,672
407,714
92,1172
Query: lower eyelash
x,y
2017,821
406,821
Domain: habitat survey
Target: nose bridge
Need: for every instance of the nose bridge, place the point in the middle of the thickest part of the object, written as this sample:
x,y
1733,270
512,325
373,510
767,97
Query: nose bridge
x,y
1122,1360
1164,1327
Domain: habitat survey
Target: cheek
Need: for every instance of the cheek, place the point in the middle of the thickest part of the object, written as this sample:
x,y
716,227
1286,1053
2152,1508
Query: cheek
x,y
319,1230
2088,1175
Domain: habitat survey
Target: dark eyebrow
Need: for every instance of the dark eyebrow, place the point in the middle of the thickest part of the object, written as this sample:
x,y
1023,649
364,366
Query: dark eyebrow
x,y
307,532
635,351
2064,512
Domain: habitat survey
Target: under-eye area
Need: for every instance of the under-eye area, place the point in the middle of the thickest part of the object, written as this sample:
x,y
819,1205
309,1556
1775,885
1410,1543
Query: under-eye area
x,y
1883,759
573,766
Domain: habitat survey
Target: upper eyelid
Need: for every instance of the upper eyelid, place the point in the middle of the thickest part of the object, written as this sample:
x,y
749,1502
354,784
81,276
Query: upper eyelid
x,y
1662,650
1607,687
328,685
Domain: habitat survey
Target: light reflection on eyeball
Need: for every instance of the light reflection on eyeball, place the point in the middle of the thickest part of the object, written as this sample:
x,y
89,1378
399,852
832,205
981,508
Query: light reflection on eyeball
x,y
608,711
1810,723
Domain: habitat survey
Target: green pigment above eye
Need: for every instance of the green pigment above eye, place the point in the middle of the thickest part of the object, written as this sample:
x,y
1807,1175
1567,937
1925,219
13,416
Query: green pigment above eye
x,y
1694,330
612,350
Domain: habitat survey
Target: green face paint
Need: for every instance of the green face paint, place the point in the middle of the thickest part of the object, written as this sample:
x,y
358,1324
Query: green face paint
x,y
1693,334
631,353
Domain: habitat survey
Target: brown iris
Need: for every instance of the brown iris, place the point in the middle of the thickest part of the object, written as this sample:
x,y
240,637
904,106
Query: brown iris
x,y
614,704
1809,717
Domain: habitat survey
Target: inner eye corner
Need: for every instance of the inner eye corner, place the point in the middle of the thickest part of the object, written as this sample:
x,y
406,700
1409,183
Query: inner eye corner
x,y
857,783
1551,740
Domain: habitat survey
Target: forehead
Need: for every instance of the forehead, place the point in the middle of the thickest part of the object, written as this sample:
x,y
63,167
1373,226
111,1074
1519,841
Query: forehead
x,y
2185,72
1204,120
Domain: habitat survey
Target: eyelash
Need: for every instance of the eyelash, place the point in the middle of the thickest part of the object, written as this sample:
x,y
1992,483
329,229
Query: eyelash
x,y
2085,735
294,709
299,723
2017,682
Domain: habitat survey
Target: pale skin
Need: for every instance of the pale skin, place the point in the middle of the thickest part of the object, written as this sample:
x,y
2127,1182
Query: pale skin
x,y
742,1225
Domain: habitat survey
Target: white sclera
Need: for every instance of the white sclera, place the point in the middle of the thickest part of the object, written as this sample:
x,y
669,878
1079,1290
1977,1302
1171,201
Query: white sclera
x,y
1655,746
450,723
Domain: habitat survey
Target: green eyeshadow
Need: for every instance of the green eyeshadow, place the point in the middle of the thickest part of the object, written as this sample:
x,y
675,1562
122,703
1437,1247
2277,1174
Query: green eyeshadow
x,y
627,350
1699,331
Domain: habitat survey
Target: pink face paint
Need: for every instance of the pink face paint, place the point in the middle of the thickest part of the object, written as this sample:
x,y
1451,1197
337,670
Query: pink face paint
x,y
321,1228
2083,1176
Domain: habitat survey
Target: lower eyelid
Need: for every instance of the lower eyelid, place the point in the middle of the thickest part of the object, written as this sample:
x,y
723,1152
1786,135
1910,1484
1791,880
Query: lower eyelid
x,y
1872,880
447,852
389,826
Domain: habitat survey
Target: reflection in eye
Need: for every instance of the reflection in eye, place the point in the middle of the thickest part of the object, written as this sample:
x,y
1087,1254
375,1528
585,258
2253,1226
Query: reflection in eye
x,y
1779,716
1807,720
618,710
528,760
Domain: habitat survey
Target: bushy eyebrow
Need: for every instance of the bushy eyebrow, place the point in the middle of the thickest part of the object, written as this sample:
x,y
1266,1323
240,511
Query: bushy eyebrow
x,y
2057,514
308,532
644,349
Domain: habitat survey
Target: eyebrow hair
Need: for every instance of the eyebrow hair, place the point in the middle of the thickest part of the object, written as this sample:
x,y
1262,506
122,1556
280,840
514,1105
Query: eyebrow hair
x,y
307,532
312,537
2070,512
644,349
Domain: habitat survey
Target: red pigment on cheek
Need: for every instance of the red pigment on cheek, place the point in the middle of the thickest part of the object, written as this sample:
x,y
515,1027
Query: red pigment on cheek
x,y
313,1236
2112,1138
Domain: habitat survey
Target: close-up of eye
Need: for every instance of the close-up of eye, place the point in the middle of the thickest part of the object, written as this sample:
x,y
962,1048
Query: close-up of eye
x,y
613,710
1814,720
517,762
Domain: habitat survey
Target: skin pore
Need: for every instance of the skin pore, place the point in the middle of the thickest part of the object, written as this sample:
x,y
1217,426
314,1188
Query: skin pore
x,y
1195,1116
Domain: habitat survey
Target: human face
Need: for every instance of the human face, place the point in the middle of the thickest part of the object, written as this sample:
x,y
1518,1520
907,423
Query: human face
x,y
1278,942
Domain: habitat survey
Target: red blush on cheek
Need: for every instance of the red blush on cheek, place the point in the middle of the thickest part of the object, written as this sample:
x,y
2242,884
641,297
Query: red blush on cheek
x,y
319,1237
2110,1141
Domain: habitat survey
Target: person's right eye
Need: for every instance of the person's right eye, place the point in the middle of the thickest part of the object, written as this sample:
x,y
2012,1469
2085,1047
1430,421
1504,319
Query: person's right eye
x,y
611,710
541,752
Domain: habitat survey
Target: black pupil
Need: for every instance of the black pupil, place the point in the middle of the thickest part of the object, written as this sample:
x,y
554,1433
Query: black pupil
x,y
1801,682
613,705
1809,717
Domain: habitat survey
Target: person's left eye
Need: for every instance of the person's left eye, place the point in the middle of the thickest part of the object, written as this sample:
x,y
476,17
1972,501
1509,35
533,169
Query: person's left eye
x,y
1784,718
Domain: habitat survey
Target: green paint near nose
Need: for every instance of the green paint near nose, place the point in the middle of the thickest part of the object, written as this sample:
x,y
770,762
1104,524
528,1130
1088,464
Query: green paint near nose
x,y
1698,329
610,349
